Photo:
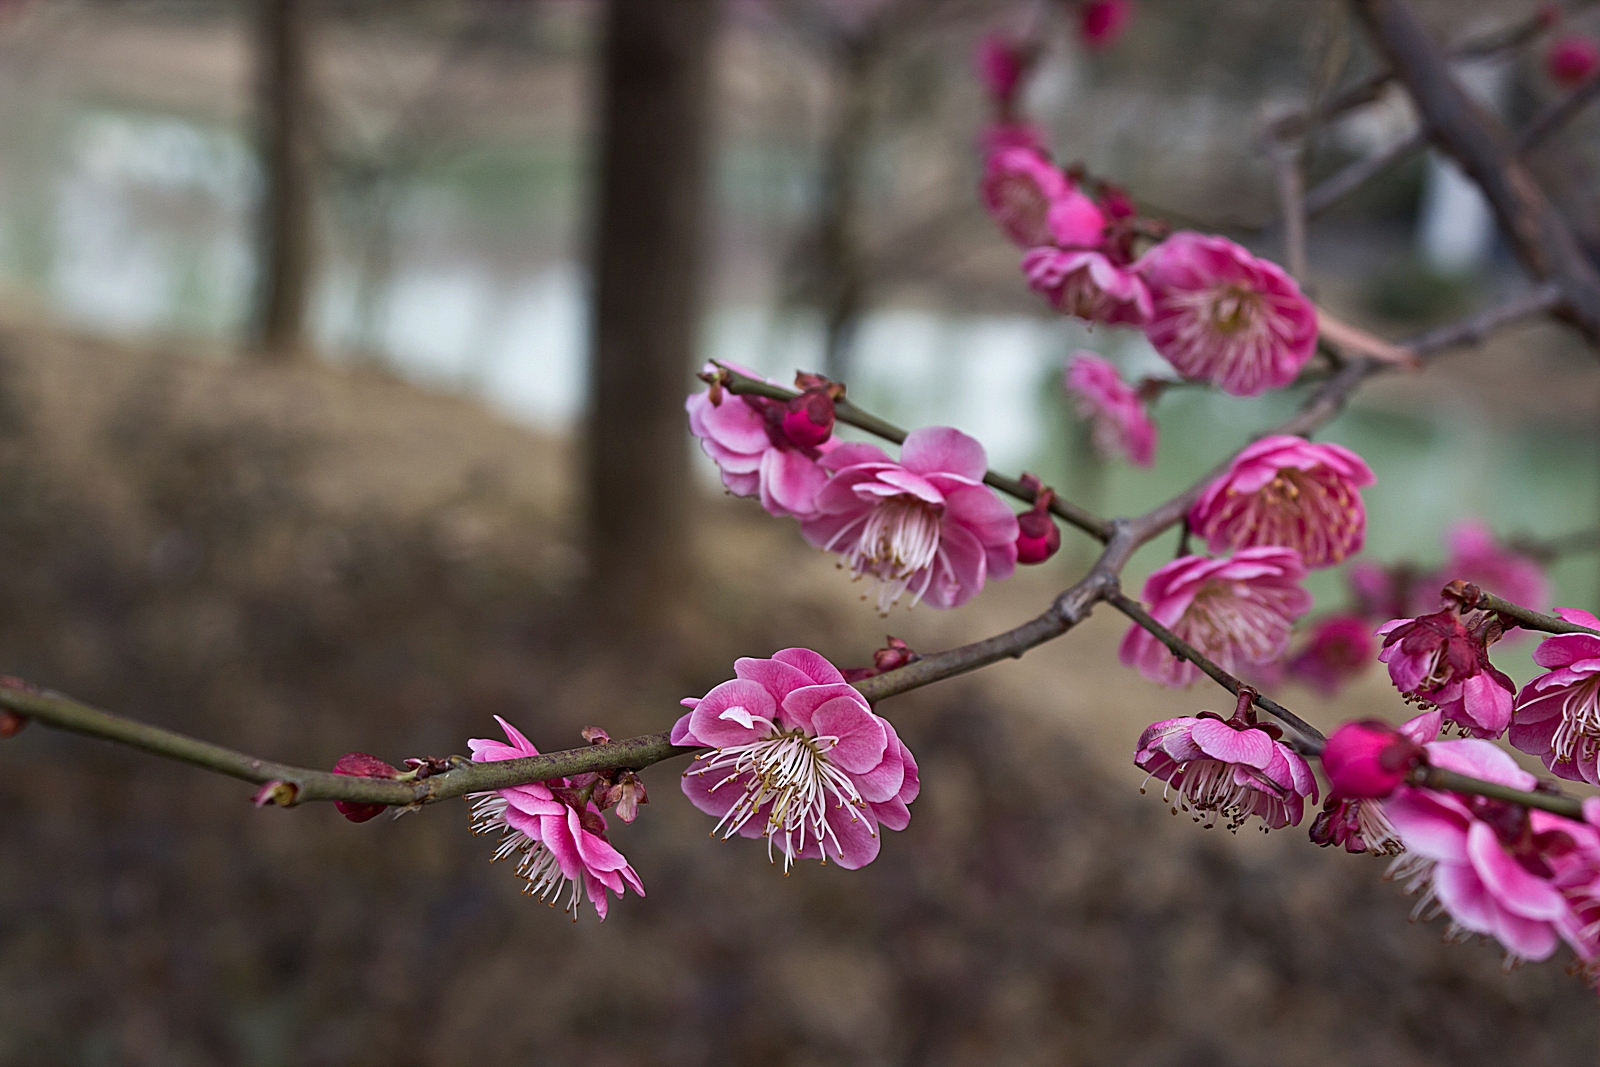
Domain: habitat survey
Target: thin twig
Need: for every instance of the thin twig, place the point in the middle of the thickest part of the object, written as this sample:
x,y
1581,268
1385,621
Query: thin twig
x,y
1473,597
1292,205
1341,184
1558,115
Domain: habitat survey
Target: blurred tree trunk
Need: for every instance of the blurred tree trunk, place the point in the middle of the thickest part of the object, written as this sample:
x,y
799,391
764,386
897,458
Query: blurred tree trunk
x,y
838,270
648,243
284,240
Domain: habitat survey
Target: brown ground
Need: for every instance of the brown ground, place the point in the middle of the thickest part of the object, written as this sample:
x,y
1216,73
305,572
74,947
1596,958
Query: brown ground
x,y
303,562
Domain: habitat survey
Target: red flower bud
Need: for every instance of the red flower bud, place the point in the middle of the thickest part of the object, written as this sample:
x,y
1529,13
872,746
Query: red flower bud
x,y
808,418
361,765
1368,759
1572,60
1038,537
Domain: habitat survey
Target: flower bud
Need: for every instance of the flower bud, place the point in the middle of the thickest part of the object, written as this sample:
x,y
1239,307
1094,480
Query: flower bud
x,y
1001,64
808,418
11,723
1368,759
361,765
1572,61
894,655
1038,537
595,735
1101,22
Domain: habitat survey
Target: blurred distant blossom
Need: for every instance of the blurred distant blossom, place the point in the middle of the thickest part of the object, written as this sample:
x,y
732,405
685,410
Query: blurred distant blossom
x,y
553,829
1101,22
1442,660
1477,556
746,438
1089,285
1572,60
798,758
1285,490
1557,715
1002,60
1223,316
1118,421
1035,204
1237,611
1339,648
925,524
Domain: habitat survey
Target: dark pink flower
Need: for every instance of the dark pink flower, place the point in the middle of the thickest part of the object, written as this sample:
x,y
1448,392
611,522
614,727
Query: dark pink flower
x,y
1368,759
1557,715
1002,60
1237,611
361,765
1035,204
1285,490
926,523
1101,22
1483,862
1360,824
800,759
556,832
1087,284
1223,316
1441,661
1229,768
1571,60
1339,649
744,435
1118,422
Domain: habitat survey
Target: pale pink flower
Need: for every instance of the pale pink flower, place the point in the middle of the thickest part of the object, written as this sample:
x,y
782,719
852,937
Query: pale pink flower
x,y
1035,204
744,436
1285,490
926,523
1441,661
1340,648
1481,861
1237,611
1223,316
1359,823
1557,715
1101,22
1118,421
799,758
1477,557
1089,285
1229,768
555,832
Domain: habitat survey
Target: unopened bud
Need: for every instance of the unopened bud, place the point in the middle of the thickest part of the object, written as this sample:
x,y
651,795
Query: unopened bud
x,y
1571,61
361,765
276,792
894,655
808,418
595,736
11,724
1368,759
1038,537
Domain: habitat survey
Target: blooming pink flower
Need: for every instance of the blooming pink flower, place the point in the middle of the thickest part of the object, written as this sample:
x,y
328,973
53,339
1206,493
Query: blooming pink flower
x,y
558,832
1439,661
1119,423
1572,60
1557,715
1359,824
926,523
1477,557
1340,647
1087,284
744,436
1035,204
1230,768
1223,316
1285,490
799,759
1481,861
1101,22
1237,611
1002,61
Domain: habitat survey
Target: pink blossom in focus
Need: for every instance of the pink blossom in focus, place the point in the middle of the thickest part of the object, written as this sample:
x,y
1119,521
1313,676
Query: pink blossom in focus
x,y
926,523
1038,536
556,832
1118,421
1572,60
1101,22
1557,715
1087,284
1440,661
1285,490
744,436
1368,759
1481,861
1340,647
1236,611
1360,825
1227,768
1223,316
799,758
1002,60
1477,557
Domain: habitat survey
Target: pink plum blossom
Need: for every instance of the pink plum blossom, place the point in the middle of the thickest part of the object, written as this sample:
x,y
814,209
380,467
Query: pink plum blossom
x,y
1359,823
1340,647
799,758
1223,316
1285,490
555,830
1482,861
1368,759
1229,768
1557,715
1237,611
744,436
1119,424
1440,661
1035,204
926,523
1101,22
1089,285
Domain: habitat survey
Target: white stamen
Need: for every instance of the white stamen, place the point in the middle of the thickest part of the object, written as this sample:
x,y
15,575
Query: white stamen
x,y
538,866
899,538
